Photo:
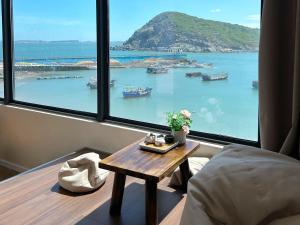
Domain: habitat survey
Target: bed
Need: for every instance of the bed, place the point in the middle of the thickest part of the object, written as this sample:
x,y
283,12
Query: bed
x,y
245,186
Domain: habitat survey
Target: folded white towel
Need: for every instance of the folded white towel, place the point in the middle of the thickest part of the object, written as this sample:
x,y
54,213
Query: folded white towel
x,y
195,163
82,173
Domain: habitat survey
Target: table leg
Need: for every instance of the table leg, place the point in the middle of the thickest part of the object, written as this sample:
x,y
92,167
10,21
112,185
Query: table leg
x,y
151,202
185,174
117,194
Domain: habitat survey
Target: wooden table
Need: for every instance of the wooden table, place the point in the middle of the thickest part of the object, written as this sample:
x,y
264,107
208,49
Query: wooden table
x,y
152,167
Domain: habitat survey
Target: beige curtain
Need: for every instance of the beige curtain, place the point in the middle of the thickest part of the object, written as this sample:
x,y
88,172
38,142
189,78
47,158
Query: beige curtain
x,y
279,76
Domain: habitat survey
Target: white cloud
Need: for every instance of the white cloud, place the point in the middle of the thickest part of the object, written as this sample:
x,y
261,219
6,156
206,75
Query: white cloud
x,y
215,10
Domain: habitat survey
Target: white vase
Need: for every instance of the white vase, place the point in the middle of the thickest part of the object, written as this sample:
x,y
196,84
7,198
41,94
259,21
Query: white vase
x,y
179,136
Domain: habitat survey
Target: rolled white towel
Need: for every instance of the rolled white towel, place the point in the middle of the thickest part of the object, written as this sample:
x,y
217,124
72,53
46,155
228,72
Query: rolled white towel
x,y
82,174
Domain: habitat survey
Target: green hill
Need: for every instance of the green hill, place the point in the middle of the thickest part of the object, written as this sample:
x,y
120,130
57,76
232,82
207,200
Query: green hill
x,y
179,31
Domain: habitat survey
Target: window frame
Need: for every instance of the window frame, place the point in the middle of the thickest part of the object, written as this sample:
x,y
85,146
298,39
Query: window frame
x,y
103,96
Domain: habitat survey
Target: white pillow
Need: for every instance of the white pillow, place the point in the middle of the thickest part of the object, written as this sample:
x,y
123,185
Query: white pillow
x,y
245,186
82,173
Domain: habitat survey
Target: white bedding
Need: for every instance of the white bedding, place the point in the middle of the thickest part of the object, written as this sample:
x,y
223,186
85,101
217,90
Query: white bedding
x,y
245,186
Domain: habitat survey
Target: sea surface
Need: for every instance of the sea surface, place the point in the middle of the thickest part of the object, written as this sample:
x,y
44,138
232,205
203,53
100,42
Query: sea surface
x,y
228,107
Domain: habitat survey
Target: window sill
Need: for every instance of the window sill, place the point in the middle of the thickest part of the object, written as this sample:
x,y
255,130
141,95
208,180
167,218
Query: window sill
x,y
206,149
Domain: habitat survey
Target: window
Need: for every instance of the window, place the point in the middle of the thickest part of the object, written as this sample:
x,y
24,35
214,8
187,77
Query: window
x,y
164,56
55,53
172,55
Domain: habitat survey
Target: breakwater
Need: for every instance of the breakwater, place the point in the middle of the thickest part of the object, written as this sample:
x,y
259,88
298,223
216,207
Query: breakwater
x,y
58,77
49,68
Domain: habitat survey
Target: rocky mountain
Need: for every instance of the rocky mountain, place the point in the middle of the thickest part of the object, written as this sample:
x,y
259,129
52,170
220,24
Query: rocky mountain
x,y
173,31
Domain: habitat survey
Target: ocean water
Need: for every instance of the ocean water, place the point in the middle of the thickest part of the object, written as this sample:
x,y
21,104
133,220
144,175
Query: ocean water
x,y
228,107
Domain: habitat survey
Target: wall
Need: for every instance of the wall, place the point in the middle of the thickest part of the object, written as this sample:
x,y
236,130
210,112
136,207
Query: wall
x,y
29,138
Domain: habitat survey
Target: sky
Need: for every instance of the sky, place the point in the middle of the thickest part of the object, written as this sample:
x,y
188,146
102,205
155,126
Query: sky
x,y
76,19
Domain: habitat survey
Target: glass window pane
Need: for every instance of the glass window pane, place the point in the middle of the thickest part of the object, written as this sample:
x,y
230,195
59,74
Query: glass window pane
x,y
172,55
55,53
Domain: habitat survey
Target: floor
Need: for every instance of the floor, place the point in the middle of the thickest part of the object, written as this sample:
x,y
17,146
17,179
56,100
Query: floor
x,y
6,173
36,198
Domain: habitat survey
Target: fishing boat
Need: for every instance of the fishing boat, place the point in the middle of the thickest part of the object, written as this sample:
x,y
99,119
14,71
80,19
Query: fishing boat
x,y
112,83
157,70
255,84
215,77
194,74
207,65
136,92
93,83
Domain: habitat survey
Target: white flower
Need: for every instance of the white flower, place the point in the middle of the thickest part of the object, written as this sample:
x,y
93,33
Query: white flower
x,y
186,129
174,117
186,113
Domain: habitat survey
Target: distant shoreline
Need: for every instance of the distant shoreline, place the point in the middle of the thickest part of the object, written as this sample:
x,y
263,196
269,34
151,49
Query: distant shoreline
x,y
30,69
118,46
121,48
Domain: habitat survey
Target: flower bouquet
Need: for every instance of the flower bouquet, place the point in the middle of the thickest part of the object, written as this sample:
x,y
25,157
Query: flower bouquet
x,y
179,124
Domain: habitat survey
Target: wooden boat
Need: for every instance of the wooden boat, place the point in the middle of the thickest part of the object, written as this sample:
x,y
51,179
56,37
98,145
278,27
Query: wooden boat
x,y
93,83
194,74
112,83
215,77
136,92
157,70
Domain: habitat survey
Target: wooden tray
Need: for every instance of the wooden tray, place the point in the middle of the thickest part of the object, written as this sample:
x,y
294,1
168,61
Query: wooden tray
x,y
163,149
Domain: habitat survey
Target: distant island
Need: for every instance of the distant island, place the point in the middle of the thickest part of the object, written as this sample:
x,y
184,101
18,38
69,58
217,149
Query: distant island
x,y
179,32
51,42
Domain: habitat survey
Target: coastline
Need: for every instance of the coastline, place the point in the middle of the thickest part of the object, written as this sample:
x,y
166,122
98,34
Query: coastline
x,y
25,69
135,59
29,70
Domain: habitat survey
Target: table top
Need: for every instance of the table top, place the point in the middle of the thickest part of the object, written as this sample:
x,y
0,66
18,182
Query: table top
x,y
135,162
